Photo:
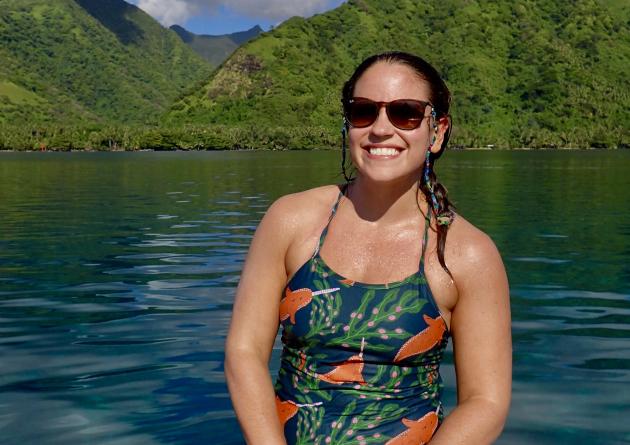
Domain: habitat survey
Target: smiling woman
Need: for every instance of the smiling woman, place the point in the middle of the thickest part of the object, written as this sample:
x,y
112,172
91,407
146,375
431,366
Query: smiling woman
x,y
368,288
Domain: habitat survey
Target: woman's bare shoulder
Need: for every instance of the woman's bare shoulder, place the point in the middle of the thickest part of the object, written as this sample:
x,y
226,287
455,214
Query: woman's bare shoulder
x,y
296,211
469,248
307,201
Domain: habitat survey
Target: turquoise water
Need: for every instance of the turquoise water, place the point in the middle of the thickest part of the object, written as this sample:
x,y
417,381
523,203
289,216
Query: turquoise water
x,y
118,272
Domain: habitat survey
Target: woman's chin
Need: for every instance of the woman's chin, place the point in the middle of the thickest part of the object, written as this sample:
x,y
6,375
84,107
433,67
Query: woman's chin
x,y
389,176
388,168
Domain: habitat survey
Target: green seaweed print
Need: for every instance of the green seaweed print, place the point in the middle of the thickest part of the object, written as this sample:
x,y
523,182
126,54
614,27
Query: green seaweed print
x,y
366,325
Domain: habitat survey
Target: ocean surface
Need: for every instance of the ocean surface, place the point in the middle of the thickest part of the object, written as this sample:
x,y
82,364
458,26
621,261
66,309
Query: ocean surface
x,y
118,273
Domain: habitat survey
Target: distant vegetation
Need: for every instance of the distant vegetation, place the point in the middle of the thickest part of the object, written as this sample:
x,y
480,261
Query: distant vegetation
x,y
536,73
102,74
215,49
74,62
180,137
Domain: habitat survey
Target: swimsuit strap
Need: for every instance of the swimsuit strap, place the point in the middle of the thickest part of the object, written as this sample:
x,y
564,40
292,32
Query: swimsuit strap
x,y
425,238
342,192
322,237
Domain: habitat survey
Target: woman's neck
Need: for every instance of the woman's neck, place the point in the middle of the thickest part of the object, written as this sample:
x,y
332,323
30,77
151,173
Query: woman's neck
x,y
384,202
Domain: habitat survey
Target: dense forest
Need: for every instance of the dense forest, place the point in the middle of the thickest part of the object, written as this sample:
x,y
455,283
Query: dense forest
x,y
536,73
533,73
89,62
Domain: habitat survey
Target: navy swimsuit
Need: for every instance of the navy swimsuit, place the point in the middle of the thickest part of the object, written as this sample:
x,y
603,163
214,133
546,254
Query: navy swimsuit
x,y
360,363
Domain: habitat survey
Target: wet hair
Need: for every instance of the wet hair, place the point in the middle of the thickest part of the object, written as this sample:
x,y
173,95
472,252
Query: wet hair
x,y
440,98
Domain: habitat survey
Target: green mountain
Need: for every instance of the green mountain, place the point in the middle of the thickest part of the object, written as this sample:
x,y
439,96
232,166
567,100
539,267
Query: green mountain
x,y
89,61
531,73
215,49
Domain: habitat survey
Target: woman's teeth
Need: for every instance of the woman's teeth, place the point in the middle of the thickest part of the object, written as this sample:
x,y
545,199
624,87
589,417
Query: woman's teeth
x,y
383,151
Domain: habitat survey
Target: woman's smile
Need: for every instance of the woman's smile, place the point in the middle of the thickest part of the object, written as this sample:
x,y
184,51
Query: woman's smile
x,y
382,151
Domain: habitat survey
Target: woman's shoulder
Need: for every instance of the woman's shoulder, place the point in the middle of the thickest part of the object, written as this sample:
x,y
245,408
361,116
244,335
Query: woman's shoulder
x,y
469,248
305,208
307,201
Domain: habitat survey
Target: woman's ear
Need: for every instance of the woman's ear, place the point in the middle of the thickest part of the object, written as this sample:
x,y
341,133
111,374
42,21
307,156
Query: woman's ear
x,y
443,131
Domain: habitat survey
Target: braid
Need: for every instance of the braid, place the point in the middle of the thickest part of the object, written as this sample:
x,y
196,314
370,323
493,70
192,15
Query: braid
x,y
437,197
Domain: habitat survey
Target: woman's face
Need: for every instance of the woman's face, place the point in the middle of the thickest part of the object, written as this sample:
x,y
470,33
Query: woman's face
x,y
381,152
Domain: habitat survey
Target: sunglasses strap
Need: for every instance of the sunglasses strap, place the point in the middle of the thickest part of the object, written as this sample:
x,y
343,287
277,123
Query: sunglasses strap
x,y
344,131
443,220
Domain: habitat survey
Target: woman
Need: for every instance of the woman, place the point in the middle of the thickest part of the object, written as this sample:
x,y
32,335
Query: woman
x,y
368,287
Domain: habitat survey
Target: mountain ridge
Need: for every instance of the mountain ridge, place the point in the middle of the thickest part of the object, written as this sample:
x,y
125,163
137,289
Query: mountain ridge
x,y
90,73
521,74
89,61
216,48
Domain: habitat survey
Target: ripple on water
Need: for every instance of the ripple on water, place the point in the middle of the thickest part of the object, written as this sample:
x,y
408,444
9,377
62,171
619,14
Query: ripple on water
x,y
570,356
552,235
542,260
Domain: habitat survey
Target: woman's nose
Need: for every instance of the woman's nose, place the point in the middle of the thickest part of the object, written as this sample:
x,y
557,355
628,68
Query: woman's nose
x,y
382,126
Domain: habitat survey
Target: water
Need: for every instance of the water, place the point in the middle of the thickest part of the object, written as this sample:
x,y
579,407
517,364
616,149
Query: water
x,y
118,272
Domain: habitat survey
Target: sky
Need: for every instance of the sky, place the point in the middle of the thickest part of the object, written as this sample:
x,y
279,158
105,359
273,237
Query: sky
x,y
228,16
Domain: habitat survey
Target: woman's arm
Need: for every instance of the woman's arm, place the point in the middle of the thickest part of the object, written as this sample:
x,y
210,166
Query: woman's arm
x,y
254,327
481,330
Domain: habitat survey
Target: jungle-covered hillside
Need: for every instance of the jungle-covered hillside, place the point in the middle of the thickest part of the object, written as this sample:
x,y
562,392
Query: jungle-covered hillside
x,y
86,62
523,74
103,74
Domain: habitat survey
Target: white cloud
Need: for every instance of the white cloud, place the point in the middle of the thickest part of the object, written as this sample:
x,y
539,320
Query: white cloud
x,y
169,12
278,9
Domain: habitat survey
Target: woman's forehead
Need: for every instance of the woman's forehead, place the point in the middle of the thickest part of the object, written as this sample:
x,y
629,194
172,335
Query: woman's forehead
x,y
391,81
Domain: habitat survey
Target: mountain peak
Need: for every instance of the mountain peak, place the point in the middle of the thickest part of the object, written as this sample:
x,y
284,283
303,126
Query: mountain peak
x,y
183,33
90,61
216,48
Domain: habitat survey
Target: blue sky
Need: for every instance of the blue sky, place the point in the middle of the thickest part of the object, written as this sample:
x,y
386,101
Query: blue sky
x,y
227,16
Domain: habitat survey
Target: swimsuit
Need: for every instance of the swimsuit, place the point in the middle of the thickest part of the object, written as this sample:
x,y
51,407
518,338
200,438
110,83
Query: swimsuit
x,y
360,362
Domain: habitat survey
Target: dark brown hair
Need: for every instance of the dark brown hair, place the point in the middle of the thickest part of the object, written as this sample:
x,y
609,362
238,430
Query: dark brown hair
x,y
440,98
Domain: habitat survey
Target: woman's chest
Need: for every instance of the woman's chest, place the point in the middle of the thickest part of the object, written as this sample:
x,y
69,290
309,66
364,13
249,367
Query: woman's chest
x,y
375,256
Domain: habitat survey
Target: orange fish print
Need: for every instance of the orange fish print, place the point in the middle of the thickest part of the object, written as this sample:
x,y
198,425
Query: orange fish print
x,y
295,300
424,340
347,282
285,409
420,431
349,371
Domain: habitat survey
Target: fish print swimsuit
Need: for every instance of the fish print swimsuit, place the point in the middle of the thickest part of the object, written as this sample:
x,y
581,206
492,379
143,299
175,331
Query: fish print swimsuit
x,y
360,362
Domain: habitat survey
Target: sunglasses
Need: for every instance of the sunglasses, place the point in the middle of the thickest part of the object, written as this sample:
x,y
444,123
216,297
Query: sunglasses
x,y
405,114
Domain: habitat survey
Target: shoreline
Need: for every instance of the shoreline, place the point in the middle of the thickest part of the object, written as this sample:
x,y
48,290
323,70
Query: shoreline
x,y
240,149
223,137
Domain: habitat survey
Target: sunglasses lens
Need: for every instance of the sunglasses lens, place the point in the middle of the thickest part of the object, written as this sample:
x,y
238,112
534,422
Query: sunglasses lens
x,y
361,113
405,114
